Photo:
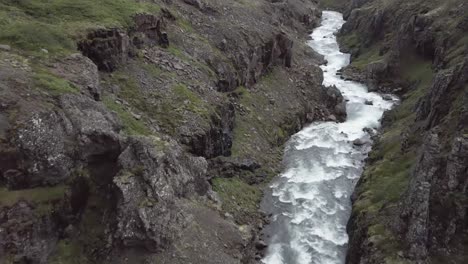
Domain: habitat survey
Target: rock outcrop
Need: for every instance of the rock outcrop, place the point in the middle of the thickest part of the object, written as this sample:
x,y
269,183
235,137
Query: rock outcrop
x,y
411,50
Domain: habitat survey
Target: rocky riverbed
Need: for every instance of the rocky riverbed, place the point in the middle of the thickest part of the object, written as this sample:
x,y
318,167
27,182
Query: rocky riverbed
x,y
310,201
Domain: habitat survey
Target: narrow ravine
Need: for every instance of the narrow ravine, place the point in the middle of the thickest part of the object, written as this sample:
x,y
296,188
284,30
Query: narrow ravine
x,y
310,200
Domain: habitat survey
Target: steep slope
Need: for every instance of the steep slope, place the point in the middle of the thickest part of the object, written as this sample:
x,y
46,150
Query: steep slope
x,y
143,131
410,204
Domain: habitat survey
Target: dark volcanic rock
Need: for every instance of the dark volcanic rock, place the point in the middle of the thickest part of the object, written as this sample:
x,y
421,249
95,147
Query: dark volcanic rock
x,y
47,156
106,47
217,140
336,102
31,240
152,182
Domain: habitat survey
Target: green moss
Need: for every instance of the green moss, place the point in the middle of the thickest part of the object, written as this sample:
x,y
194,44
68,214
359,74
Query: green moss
x,y
185,25
129,89
190,100
177,52
43,198
238,197
35,195
457,51
69,252
53,84
368,56
350,41
252,125
152,69
35,36
333,4
32,24
131,125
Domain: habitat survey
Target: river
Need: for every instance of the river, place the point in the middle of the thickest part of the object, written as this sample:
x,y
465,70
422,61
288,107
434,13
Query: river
x,y
310,200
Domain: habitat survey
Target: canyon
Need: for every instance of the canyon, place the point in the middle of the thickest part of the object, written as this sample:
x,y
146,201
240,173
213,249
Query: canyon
x,y
149,131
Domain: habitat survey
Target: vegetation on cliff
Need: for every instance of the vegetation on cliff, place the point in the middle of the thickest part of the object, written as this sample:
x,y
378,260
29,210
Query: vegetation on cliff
x,y
408,48
118,119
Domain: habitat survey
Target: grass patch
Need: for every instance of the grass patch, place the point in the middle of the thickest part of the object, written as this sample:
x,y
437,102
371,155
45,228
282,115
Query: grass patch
x,y
457,51
177,52
333,4
369,56
238,197
190,100
129,89
70,252
34,195
35,36
131,125
350,41
184,25
42,198
54,24
193,62
253,128
169,109
53,84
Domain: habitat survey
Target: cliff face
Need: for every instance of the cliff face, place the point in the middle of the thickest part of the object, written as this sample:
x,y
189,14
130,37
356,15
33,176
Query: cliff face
x,y
143,132
410,204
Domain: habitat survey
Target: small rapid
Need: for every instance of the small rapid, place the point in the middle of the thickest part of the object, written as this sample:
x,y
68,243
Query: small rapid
x,y
310,201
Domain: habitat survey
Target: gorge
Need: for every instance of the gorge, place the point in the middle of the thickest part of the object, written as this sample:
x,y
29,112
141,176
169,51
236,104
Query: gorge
x,y
168,131
310,201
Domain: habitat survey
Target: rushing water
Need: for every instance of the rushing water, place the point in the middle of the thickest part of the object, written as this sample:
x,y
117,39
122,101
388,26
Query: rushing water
x,y
310,200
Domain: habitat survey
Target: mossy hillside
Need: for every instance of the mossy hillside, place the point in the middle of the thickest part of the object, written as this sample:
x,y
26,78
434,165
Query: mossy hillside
x,y
258,120
261,128
333,4
179,53
32,25
169,106
369,55
350,41
458,51
131,125
52,84
387,174
239,198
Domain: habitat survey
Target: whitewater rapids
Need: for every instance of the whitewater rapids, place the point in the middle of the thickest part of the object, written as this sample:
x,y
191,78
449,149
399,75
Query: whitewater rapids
x,y
310,201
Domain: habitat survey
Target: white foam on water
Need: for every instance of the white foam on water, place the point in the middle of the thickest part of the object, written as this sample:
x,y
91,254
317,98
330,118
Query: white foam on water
x,y
311,197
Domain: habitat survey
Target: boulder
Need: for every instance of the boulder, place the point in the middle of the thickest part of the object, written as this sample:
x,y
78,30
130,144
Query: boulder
x,y
108,48
5,47
358,142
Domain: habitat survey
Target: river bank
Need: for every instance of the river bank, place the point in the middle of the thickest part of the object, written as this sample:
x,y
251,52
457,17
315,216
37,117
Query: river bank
x,y
310,200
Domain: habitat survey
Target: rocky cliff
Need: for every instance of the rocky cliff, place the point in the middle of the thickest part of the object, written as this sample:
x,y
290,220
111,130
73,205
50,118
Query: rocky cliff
x,y
410,204
144,131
